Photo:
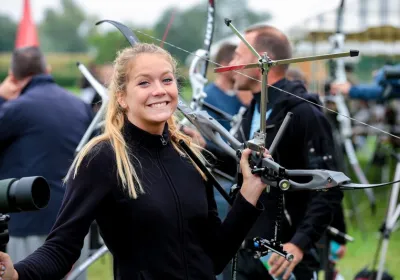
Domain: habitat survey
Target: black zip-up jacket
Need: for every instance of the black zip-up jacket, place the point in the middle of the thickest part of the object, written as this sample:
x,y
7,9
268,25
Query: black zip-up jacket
x,y
170,232
307,144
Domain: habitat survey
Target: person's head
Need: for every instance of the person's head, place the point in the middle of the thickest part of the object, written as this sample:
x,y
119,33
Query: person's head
x,y
144,87
295,74
143,90
264,39
25,63
224,57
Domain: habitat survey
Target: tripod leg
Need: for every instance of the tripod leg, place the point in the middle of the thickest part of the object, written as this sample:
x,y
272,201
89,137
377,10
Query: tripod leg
x,y
391,221
395,192
382,257
80,269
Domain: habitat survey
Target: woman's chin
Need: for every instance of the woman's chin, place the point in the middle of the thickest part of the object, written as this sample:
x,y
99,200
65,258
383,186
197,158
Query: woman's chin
x,y
160,118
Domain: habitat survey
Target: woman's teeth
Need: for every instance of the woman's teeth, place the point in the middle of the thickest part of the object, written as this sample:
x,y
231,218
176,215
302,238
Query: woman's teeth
x,y
158,105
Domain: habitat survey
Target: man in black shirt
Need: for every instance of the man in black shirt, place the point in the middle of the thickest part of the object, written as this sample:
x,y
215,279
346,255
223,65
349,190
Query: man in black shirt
x,y
307,144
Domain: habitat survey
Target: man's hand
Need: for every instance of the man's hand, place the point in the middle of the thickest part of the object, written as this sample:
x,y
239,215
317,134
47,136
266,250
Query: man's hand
x,y
343,88
9,90
278,264
341,251
195,135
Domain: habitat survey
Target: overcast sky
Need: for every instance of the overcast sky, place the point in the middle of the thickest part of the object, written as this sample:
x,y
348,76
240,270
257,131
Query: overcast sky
x,y
146,12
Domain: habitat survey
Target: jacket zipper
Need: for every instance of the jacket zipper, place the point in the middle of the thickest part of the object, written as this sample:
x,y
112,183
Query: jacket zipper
x,y
163,141
178,206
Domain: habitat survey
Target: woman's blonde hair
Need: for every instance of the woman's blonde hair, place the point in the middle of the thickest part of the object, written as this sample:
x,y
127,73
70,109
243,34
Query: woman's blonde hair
x,y
115,118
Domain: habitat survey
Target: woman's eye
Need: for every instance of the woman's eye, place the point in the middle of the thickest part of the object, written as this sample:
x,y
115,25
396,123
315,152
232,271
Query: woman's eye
x,y
143,83
167,80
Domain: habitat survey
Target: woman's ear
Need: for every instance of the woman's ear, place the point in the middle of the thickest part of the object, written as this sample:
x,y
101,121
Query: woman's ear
x,y
121,100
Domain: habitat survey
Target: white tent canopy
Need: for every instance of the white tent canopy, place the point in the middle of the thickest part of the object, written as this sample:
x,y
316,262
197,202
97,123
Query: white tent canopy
x,y
371,26
358,16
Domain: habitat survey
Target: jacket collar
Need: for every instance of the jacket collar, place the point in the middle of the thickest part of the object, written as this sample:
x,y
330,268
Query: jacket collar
x,y
273,94
37,80
136,136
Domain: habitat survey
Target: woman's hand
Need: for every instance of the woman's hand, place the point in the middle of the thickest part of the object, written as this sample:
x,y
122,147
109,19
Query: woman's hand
x,y
7,271
252,186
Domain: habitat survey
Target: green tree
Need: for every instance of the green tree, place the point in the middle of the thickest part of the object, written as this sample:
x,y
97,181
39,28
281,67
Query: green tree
x,y
8,32
60,30
188,28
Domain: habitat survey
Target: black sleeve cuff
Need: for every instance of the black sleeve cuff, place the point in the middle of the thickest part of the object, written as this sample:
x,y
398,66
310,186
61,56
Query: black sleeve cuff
x,y
301,240
19,267
243,208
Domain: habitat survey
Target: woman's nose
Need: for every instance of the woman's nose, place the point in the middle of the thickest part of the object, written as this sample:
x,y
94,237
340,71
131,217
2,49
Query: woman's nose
x,y
159,89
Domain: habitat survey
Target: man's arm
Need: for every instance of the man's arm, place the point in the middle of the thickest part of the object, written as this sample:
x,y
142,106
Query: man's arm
x,y
8,121
366,92
310,125
8,92
320,150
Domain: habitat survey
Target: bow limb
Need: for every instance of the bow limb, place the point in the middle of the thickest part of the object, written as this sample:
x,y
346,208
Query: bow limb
x,y
129,35
199,64
355,186
210,27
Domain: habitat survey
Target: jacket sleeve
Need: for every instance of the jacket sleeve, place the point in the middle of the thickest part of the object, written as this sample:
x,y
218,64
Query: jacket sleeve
x,y
223,240
366,92
9,120
313,125
84,195
2,101
339,223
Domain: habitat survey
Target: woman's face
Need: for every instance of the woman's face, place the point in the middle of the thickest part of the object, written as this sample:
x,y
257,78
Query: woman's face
x,y
151,93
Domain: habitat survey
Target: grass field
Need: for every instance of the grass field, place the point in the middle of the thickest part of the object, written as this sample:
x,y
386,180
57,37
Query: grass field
x,y
359,253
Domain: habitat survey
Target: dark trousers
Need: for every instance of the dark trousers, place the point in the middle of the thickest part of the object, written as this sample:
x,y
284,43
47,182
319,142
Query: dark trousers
x,y
249,268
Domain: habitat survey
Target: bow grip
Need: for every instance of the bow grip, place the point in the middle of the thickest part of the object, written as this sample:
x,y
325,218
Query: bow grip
x,y
321,179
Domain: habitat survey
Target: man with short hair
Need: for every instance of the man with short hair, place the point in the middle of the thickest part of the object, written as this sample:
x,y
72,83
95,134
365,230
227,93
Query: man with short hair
x,y
221,93
41,124
306,144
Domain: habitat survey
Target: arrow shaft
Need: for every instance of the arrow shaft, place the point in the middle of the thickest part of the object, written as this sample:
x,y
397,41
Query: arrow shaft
x,y
236,67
